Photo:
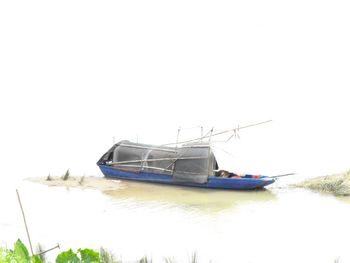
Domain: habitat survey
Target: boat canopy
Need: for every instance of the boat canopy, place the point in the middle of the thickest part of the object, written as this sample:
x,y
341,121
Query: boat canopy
x,y
190,163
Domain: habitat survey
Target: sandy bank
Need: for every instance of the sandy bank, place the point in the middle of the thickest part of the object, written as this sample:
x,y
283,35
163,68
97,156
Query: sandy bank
x,y
338,184
80,182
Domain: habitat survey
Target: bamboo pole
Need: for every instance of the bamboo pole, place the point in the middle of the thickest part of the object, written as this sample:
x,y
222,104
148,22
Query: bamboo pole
x,y
144,167
177,137
25,223
201,133
281,175
149,147
219,133
160,159
44,252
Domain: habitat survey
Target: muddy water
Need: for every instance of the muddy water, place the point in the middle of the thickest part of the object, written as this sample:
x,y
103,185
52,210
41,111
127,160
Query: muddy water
x,y
280,224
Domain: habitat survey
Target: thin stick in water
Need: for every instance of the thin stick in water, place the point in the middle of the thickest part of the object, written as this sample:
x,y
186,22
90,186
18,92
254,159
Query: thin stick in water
x,y
25,222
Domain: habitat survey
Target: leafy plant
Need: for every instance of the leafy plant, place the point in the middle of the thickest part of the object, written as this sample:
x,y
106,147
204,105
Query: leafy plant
x,y
21,251
68,256
82,256
89,255
19,254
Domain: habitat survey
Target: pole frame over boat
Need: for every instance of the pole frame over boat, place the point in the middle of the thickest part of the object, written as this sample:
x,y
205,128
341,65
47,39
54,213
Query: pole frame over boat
x,y
189,163
211,134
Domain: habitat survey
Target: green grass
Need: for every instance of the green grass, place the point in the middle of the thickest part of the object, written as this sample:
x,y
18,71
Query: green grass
x,y
338,185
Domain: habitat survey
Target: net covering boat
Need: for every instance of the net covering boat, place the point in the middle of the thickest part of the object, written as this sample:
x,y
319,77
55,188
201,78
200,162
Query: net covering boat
x,y
192,164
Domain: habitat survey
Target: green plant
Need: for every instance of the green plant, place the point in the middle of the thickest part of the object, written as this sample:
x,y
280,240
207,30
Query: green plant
x,y
82,256
89,255
67,256
19,254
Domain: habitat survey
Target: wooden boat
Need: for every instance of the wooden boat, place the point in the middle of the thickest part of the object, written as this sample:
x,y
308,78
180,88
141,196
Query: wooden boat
x,y
192,164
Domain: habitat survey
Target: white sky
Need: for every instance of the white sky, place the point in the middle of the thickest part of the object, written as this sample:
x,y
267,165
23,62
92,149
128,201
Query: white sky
x,y
73,74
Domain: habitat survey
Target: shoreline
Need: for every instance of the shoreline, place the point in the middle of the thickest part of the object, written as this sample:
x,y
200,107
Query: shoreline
x,y
337,184
82,182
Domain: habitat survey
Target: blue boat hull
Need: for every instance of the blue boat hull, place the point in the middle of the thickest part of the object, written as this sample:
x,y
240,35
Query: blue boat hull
x,y
213,182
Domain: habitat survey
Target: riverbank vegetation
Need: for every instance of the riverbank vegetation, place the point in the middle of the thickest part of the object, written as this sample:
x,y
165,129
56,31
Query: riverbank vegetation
x,y
20,254
338,185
